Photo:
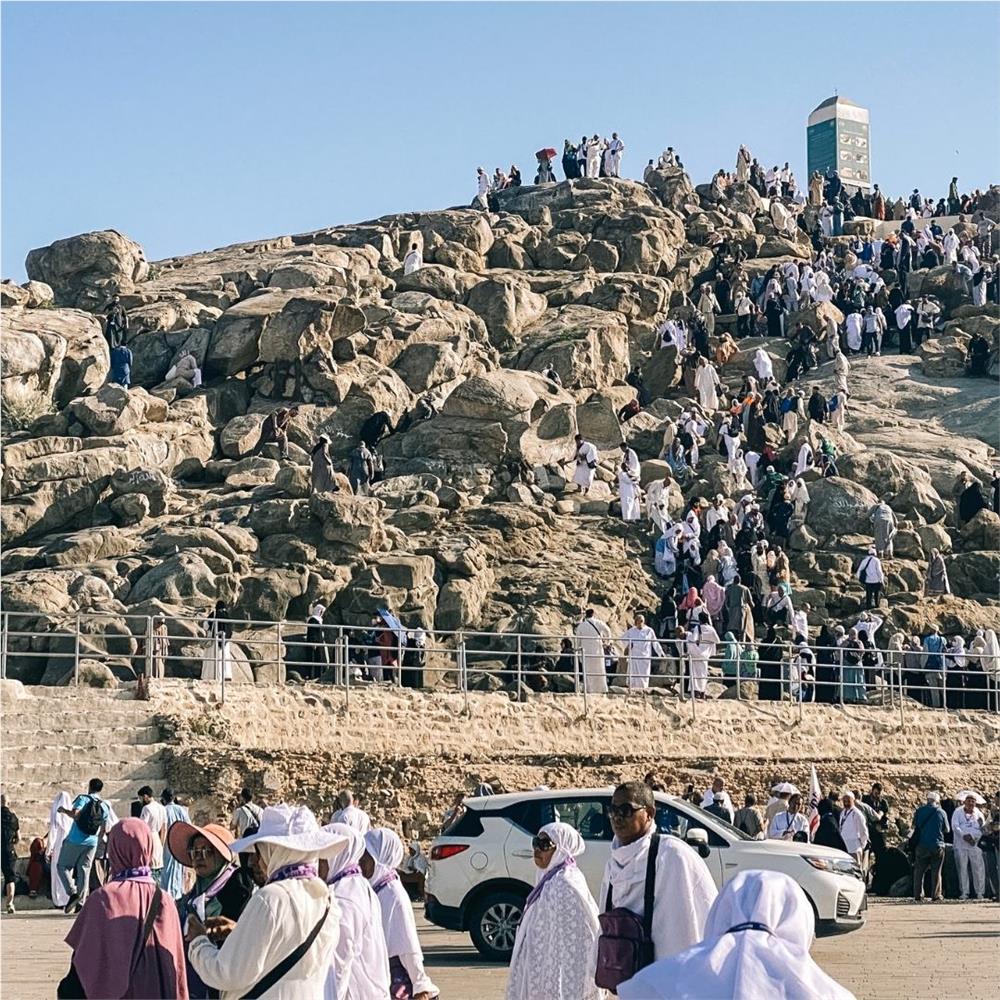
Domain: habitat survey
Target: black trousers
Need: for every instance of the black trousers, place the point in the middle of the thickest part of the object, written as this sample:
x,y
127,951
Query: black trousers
x,y
744,326
873,591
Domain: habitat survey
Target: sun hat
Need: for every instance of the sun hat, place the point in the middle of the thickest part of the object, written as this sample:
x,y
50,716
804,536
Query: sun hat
x,y
963,795
785,788
295,829
180,835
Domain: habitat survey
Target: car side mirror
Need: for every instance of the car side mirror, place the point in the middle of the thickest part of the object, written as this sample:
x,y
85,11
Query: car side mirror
x,y
698,839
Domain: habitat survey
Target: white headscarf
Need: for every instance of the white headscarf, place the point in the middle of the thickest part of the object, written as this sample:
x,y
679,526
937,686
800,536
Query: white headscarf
x,y
351,853
569,844
386,850
762,362
991,663
59,826
746,963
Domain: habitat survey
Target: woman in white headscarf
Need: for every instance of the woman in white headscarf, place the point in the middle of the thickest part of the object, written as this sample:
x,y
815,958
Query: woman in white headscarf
x,y
756,946
59,825
763,365
822,291
798,493
556,945
383,855
990,659
280,916
804,462
360,969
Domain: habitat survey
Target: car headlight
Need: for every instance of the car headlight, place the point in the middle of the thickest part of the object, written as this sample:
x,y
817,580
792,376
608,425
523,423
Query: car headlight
x,y
840,866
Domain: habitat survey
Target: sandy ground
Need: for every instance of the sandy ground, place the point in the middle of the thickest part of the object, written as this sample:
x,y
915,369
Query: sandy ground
x,y
945,950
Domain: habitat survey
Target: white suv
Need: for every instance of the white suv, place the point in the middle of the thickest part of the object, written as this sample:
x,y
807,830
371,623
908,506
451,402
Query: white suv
x,y
481,867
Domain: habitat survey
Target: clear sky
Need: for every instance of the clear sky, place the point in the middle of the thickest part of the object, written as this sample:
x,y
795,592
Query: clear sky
x,y
192,125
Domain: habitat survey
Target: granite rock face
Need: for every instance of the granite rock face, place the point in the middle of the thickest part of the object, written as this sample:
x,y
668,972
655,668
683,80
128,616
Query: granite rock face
x,y
163,500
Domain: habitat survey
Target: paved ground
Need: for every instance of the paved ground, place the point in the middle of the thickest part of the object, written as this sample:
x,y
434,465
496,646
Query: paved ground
x,y
947,950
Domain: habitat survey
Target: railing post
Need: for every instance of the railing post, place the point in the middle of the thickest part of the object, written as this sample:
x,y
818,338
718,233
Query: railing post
x,y
76,652
342,643
576,671
944,686
520,668
220,648
279,650
149,659
463,670
400,646
4,629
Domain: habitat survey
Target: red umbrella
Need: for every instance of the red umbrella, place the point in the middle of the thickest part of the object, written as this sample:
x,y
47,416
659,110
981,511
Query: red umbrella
x,y
545,154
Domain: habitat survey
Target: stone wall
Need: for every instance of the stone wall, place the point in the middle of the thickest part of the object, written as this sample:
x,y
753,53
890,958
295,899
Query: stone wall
x,y
406,754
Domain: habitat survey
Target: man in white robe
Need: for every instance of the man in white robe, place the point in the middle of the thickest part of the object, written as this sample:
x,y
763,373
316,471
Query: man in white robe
x,y
615,149
641,644
628,484
591,634
702,641
414,260
950,245
594,148
804,462
706,381
586,464
854,325
683,889
718,796
482,187
853,827
658,501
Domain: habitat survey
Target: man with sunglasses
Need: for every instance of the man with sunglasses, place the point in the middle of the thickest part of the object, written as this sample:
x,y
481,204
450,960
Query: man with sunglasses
x,y
683,887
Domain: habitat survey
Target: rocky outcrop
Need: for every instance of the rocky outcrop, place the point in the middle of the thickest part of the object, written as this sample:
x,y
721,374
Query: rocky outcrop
x,y
162,499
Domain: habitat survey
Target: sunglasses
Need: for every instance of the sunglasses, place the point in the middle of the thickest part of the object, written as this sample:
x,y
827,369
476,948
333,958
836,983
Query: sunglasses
x,y
201,852
541,844
626,810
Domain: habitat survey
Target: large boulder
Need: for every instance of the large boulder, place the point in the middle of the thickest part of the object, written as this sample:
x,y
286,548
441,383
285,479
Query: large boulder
x,y
56,354
507,305
84,271
113,410
839,507
673,187
944,357
945,284
587,347
909,487
352,523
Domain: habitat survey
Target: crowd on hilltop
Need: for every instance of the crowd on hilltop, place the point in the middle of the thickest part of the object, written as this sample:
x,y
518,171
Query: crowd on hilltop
x,y
273,904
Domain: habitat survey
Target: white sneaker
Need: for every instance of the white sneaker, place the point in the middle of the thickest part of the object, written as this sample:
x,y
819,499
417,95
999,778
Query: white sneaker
x,y
10,907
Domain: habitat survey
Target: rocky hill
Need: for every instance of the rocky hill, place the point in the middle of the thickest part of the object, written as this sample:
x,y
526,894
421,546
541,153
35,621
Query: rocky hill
x,y
145,502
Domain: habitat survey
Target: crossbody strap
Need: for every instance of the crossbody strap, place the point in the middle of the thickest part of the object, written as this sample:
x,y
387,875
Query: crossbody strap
x,y
286,964
650,890
147,928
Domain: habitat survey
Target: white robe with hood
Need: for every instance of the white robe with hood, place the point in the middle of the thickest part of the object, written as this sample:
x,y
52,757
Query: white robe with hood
x,y
360,969
736,962
706,382
555,951
398,925
583,475
59,826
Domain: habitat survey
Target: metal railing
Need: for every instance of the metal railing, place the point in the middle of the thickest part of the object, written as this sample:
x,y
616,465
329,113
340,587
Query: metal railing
x,y
226,650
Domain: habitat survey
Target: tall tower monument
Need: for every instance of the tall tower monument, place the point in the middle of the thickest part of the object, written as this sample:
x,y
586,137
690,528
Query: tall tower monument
x,y
837,136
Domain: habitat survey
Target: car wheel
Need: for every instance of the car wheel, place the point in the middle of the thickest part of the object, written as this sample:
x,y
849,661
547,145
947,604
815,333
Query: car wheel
x,y
493,922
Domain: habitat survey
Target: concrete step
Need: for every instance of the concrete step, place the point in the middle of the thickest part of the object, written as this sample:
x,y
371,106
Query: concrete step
x,y
88,741
72,720
110,758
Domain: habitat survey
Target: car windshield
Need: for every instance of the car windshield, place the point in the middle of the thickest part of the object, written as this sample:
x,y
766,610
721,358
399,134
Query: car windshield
x,y
705,818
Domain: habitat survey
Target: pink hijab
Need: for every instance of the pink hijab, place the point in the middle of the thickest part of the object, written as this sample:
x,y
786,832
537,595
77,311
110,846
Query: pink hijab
x,y
714,595
105,936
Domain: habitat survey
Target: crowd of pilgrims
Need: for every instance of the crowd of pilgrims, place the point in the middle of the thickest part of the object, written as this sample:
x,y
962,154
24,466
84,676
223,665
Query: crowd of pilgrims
x,y
278,906
728,591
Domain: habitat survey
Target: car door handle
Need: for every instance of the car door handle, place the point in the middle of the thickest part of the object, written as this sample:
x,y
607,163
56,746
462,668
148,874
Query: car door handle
x,y
732,864
523,854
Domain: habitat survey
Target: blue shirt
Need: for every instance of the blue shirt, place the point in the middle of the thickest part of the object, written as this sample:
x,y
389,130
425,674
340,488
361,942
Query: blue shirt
x,y
934,644
121,366
931,824
76,835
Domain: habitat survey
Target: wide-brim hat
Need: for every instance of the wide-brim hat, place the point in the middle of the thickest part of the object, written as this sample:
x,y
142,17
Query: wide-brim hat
x,y
785,788
180,834
966,793
295,829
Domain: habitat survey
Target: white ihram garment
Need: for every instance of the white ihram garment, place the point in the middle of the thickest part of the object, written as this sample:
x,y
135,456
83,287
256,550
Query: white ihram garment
x,y
628,491
59,825
591,634
642,645
583,475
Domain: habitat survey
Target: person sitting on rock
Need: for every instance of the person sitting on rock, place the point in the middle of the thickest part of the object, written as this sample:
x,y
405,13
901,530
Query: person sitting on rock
x,y
414,260
121,366
275,429
185,373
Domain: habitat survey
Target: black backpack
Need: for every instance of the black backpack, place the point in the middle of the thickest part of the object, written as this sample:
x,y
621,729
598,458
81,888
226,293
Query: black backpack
x,y
90,818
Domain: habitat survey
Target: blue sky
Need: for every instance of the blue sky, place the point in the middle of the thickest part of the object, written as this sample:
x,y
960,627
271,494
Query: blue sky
x,y
190,125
